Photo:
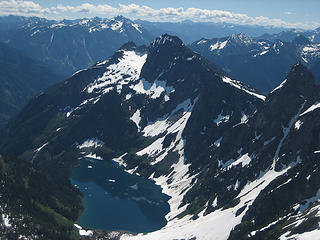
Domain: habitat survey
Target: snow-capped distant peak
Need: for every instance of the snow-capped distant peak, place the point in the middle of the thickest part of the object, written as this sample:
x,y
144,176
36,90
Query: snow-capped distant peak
x,y
202,41
241,38
218,45
117,24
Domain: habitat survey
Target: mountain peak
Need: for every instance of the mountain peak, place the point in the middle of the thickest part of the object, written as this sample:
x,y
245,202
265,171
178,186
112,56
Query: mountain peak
x,y
241,38
166,40
120,18
163,51
299,70
299,81
96,18
300,40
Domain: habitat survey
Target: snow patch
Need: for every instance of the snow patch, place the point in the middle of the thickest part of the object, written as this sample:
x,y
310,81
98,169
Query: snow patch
x,y
218,142
221,119
137,27
262,53
136,118
120,160
312,235
40,148
238,85
6,220
154,90
83,232
309,201
34,33
180,181
93,156
202,42
298,124
116,26
215,202
81,70
312,108
161,125
280,86
218,45
286,131
91,143
244,118
244,160
216,225
126,70
309,49
128,96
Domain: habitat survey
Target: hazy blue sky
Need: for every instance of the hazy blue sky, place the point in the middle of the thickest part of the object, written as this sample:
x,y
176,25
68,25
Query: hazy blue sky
x,y
290,13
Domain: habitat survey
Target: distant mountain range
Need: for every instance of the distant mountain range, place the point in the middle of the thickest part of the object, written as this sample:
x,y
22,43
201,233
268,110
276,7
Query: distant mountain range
x,y
236,164
190,31
290,35
37,52
70,45
262,64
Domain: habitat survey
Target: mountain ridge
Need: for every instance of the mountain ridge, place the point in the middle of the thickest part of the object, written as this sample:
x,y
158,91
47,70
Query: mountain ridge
x,y
271,60
219,149
71,45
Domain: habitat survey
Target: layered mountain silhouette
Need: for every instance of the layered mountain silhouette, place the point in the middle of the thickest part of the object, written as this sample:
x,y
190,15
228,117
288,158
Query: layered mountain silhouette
x,y
262,64
70,45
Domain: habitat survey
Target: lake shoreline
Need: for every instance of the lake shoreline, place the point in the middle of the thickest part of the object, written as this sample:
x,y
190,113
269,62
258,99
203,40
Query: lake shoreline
x,y
114,199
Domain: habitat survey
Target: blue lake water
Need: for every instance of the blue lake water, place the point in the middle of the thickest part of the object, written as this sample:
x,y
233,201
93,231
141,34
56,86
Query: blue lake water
x,y
116,200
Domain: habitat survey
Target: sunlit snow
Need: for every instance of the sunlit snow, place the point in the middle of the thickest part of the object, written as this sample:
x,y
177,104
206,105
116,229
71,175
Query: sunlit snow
x,y
237,84
130,65
218,45
312,108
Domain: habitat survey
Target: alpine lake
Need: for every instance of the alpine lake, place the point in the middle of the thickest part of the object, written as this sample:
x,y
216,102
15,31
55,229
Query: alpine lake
x,y
116,200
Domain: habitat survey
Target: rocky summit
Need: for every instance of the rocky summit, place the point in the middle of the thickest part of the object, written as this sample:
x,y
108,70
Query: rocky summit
x,y
236,164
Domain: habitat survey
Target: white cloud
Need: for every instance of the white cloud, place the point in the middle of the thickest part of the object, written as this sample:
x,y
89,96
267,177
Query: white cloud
x,y
86,8
28,8
288,13
180,14
24,8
